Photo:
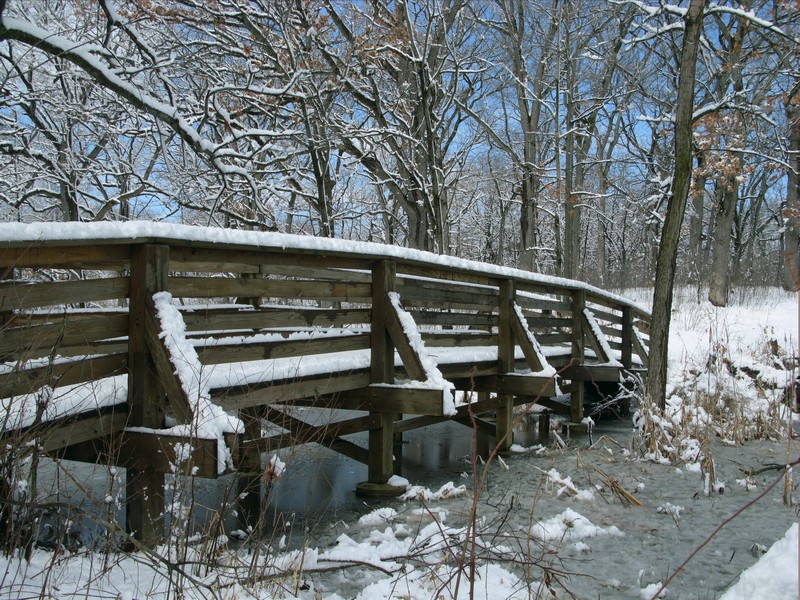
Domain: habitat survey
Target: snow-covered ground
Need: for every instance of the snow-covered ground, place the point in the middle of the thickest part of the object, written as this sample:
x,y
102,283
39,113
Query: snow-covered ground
x,y
608,517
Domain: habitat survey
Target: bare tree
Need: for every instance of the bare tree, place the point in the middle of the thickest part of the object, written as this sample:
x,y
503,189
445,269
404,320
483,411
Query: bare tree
x,y
679,193
404,66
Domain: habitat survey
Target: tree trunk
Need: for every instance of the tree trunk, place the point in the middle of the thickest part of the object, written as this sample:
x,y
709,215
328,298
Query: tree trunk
x,y
697,267
721,257
682,177
602,261
791,235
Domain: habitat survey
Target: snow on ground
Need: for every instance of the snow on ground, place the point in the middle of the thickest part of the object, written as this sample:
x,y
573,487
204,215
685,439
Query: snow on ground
x,y
567,518
774,576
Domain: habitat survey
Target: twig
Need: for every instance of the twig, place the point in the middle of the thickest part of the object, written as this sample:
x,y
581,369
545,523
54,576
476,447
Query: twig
x,y
610,439
764,469
617,488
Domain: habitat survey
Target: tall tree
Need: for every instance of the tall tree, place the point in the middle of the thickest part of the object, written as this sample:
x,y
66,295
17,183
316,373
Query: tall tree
x,y
676,207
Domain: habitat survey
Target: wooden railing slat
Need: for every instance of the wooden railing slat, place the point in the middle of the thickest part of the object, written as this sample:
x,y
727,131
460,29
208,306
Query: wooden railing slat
x,y
22,295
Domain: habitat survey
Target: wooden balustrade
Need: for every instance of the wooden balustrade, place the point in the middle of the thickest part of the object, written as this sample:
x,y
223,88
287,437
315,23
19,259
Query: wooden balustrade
x,y
495,332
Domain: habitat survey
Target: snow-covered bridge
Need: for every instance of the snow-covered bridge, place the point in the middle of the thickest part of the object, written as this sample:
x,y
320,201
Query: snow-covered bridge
x,y
152,346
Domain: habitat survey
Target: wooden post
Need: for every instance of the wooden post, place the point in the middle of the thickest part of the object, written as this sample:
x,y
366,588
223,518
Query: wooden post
x,y
505,364
144,509
6,315
249,472
578,350
627,336
384,277
544,425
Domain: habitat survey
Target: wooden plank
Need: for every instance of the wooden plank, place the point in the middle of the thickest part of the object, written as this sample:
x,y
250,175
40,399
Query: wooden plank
x,y
595,336
434,283
597,297
250,351
516,384
627,334
426,292
21,295
236,258
506,340
611,331
343,447
506,383
98,256
382,355
638,347
350,450
224,287
643,326
452,318
434,302
548,340
25,381
591,373
144,488
148,276
167,371
408,354
458,339
451,371
19,340
542,304
549,322
527,342
392,399
82,428
384,340
491,404
539,288
604,315
237,397
156,452
60,314
562,408
417,422
316,273
578,351
98,347
506,345
380,461
215,320
420,269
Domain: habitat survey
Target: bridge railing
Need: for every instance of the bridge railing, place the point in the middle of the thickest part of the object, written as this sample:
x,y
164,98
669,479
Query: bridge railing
x,y
279,319
65,309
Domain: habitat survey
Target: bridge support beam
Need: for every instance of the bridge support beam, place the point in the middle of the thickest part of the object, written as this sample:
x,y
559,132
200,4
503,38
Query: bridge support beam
x,y
578,352
381,458
381,439
144,508
505,364
249,473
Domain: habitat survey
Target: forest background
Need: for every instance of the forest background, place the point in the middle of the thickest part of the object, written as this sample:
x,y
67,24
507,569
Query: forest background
x,y
523,133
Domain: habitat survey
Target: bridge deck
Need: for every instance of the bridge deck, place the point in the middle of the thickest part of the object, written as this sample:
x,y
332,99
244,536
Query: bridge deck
x,y
117,347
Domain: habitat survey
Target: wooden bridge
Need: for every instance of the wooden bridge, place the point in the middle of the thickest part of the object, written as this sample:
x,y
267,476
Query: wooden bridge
x,y
123,343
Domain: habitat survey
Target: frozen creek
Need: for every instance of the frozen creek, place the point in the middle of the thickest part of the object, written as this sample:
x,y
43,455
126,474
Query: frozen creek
x,y
674,518
621,552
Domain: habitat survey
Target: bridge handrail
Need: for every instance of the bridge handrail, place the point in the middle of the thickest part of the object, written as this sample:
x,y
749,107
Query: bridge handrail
x,y
215,263
17,242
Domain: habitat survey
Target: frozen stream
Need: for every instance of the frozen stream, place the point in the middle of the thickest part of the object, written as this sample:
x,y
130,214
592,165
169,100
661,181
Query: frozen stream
x,y
653,545
315,496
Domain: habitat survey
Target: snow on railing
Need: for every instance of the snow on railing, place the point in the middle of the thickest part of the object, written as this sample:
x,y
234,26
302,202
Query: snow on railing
x,y
209,420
